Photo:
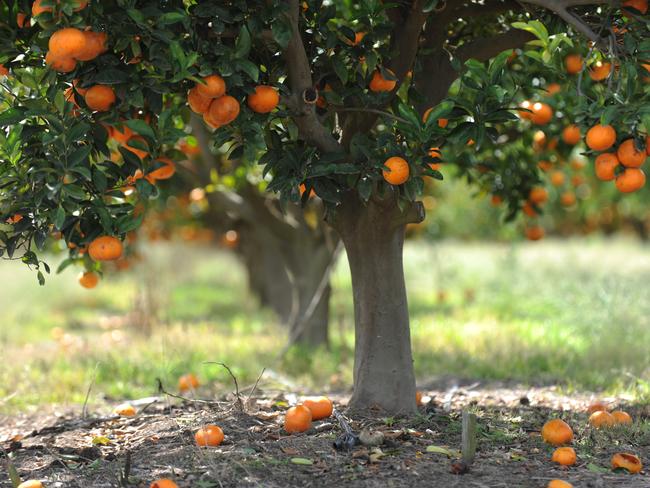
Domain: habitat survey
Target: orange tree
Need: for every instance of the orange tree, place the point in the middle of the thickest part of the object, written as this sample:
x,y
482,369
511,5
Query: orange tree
x,y
333,96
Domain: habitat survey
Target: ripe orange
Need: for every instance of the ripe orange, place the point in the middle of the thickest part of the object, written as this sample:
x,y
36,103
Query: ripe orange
x,y
601,419
573,64
164,172
553,88
67,43
568,198
566,456
188,148
163,483
321,407
100,98
207,118
31,484
297,419
125,410
210,435
539,140
418,398
534,233
95,45
380,84
605,166
557,178
213,87
141,153
38,8
621,417
264,100
542,113
600,71
571,134
597,407
578,164
601,137
525,114
105,248
398,170
14,219
188,381
559,484
545,165
627,461
557,432
224,110
197,102
21,20
529,210
538,195
629,155
434,152
303,189
88,279
123,136
60,64
640,5
630,180
3,70
496,200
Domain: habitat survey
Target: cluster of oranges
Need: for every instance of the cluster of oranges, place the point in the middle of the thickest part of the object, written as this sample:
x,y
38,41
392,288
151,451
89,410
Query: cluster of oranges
x,y
209,99
537,197
623,165
557,432
69,45
102,248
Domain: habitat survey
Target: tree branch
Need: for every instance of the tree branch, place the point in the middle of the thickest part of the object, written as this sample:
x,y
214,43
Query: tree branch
x,y
299,70
486,48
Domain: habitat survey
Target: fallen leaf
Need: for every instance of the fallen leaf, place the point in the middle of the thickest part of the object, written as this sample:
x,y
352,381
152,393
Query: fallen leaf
x,y
101,440
594,468
290,451
443,450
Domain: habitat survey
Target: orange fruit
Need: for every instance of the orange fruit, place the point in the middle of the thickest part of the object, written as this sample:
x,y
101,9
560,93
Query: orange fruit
x,y
418,398
95,45
558,484
621,417
566,456
100,98
629,155
321,407
525,114
224,110
545,165
630,180
88,279
38,8
188,148
163,483
14,219
380,84
67,43
534,233
264,100
210,435
213,87
60,64
529,210
557,432
601,419
600,71
121,136
538,195
496,200
105,248
597,407
297,419
81,4
141,153
31,484
647,145
188,381
164,172
303,189
605,166
627,461
554,88
601,137
542,113
207,118
573,64
3,70
568,198
125,410
578,164
197,102
571,134
639,5
397,172
21,20
557,178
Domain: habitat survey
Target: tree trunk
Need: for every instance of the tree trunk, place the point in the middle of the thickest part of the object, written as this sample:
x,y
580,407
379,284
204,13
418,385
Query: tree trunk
x,y
373,236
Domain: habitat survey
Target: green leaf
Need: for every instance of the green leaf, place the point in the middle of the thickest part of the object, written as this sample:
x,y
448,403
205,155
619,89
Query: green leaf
x,y
170,18
429,6
110,76
364,188
79,155
535,27
59,218
41,278
340,69
249,68
281,30
12,116
302,461
243,43
443,450
141,127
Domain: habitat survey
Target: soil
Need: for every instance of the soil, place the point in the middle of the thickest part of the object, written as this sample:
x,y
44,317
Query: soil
x,y
104,450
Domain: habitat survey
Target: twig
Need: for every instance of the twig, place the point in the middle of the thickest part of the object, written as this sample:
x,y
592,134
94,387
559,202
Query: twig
x,y
255,386
234,378
370,110
124,473
84,411
161,389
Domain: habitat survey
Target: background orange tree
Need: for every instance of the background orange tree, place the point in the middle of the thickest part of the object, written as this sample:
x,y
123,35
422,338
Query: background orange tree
x,y
331,96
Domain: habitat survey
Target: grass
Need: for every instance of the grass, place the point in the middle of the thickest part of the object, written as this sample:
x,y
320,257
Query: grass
x,y
575,313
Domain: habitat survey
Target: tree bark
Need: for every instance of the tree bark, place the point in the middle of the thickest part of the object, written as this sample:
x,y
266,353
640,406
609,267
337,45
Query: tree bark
x,y
373,235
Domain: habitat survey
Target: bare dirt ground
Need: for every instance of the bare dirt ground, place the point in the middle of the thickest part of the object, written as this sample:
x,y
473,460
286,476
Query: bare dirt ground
x,y
67,450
